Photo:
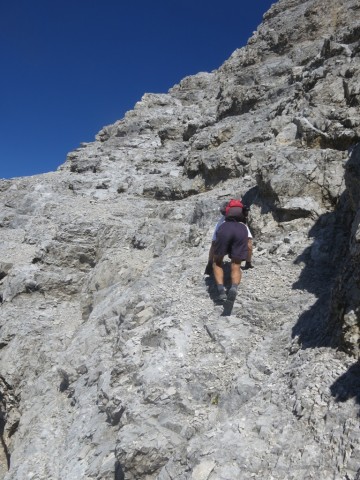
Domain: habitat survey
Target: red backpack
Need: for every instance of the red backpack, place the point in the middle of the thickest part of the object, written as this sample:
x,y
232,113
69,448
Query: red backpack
x,y
234,209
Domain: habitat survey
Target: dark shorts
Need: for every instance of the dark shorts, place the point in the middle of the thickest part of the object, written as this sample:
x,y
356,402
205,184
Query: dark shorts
x,y
232,240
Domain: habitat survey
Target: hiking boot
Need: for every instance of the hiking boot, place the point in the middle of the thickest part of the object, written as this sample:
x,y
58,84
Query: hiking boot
x,y
221,296
232,294
248,265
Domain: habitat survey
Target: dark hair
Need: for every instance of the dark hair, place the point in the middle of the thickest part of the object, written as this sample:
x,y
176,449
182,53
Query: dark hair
x,y
223,208
246,210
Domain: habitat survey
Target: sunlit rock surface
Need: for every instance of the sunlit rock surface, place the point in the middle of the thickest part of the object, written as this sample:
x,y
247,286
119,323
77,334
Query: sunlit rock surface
x,y
115,360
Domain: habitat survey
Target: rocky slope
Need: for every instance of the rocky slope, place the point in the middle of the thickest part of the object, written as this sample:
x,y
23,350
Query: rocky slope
x,y
116,362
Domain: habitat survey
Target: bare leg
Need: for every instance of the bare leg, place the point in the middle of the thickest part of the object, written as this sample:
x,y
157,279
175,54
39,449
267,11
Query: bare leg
x,y
219,277
250,250
235,279
218,270
235,272
248,263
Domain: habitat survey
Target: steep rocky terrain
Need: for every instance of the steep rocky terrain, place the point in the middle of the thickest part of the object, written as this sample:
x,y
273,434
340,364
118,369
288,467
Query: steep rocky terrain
x,y
116,361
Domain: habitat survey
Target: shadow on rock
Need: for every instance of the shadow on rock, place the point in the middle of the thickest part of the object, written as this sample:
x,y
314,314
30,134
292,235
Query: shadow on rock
x,y
331,271
119,472
331,274
323,262
213,291
228,306
211,284
348,385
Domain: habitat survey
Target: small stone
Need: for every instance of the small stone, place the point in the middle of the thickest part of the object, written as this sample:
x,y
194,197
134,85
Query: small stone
x,y
203,470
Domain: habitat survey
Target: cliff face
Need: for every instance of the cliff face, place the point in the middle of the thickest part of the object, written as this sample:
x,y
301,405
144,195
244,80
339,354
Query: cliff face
x,y
115,360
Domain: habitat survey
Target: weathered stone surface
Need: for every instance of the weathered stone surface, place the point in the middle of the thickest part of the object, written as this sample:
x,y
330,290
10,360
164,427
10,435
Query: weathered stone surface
x,y
115,361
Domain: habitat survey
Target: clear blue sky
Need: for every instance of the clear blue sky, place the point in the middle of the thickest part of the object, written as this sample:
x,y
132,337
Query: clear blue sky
x,y
70,67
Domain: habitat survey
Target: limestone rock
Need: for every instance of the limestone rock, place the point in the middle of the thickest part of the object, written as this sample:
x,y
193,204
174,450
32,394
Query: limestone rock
x,y
115,360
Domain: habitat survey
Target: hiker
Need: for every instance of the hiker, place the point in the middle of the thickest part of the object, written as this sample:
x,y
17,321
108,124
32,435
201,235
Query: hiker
x,y
231,239
248,262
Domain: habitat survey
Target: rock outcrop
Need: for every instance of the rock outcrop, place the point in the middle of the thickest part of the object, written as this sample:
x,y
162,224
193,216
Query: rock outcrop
x,y
115,360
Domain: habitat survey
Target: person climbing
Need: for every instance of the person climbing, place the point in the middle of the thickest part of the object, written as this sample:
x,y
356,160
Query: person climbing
x,y
231,239
248,261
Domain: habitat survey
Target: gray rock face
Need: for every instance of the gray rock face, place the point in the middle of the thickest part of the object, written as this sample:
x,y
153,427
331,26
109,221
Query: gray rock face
x,y
115,360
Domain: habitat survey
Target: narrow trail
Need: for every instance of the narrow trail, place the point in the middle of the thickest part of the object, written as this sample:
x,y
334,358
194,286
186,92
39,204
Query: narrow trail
x,y
249,368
